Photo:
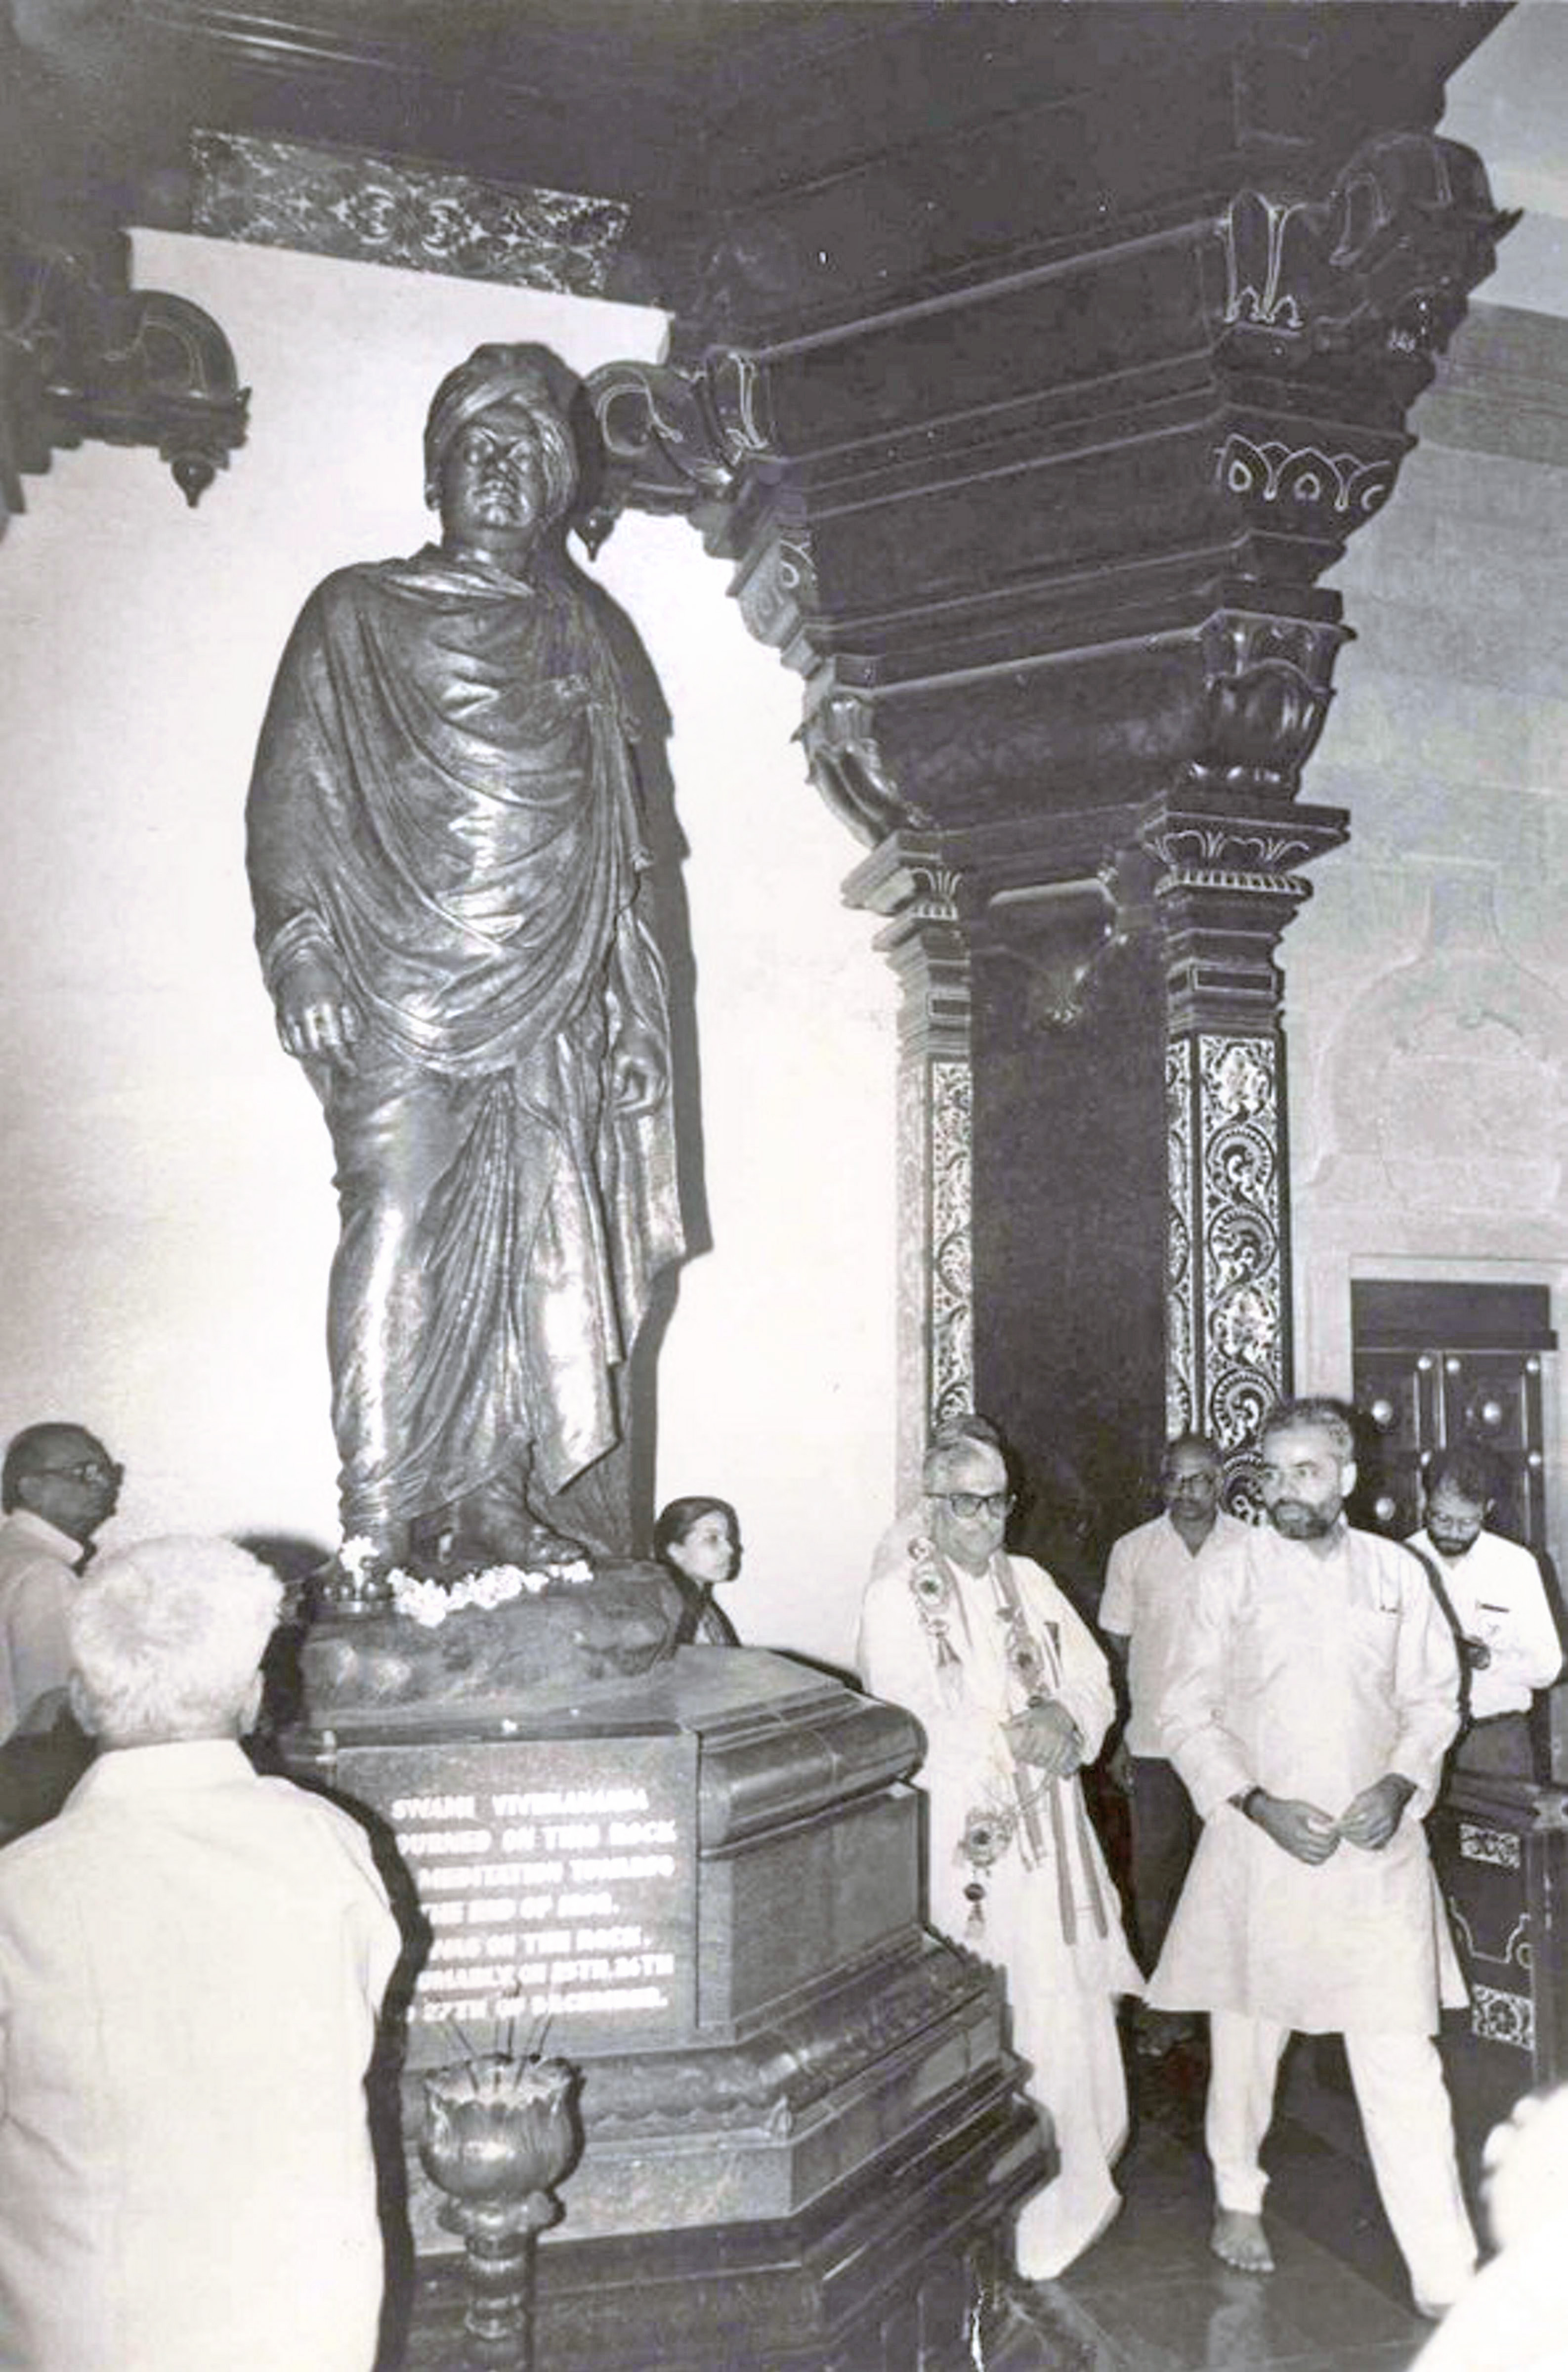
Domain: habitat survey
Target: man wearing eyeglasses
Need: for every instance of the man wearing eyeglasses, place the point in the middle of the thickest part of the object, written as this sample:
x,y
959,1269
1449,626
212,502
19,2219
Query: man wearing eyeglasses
x,y
59,1486
1015,1697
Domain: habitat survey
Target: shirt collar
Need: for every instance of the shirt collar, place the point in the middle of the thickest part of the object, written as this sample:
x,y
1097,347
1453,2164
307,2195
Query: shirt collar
x,y
50,1536
163,1770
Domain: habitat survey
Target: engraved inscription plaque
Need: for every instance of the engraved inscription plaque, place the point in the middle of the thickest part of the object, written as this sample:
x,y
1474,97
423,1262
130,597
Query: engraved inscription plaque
x,y
558,1876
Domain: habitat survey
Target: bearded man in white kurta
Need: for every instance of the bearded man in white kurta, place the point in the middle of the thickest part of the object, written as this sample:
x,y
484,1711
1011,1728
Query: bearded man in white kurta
x,y
1014,1696
1308,1716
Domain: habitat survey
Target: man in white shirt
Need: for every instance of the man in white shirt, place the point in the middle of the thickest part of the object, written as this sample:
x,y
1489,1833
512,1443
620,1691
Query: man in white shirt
x,y
1012,1694
1142,1613
58,1487
193,1959
1508,1639
1313,1701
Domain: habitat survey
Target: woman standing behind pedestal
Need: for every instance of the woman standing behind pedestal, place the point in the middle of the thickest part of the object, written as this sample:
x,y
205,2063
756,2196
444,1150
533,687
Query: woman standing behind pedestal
x,y
697,1540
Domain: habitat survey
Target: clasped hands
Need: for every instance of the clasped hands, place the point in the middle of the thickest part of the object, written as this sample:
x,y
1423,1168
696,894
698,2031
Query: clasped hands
x,y
1310,1836
1046,1735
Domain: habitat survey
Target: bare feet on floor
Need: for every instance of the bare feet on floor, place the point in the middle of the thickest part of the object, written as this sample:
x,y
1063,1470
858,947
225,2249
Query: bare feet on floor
x,y
1240,2240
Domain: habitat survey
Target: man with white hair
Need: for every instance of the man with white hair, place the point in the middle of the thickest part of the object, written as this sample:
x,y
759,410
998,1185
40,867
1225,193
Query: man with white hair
x,y
1013,1697
1314,1694
193,1959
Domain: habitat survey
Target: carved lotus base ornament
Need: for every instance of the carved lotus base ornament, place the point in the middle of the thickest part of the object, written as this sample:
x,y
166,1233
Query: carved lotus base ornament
x,y
499,2134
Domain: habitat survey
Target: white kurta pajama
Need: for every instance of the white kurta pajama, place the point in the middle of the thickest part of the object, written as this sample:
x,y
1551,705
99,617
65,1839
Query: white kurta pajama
x,y
192,1960
963,1653
1314,1677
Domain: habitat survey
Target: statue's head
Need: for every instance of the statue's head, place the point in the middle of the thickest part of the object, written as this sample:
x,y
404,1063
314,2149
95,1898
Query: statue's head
x,y
503,415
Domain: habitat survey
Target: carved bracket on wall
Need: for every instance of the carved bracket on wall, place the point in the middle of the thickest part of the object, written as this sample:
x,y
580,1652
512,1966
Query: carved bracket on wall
x,y
672,438
84,356
847,767
1062,933
1385,264
1266,693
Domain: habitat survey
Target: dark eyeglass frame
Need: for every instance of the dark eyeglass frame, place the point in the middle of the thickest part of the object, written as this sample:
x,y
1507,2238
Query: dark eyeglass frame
x,y
85,1470
967,1504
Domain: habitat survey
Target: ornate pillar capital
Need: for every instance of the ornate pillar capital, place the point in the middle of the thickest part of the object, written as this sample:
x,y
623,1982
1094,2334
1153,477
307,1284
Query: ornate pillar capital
x,y
1049,538
1230,881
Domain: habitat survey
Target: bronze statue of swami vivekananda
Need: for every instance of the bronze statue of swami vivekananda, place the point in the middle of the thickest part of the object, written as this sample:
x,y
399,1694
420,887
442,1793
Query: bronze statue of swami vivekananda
x,y
446,860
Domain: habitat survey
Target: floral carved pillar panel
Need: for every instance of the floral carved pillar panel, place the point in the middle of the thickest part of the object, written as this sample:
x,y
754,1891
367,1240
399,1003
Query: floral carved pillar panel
x,y
924,940
1227,892
1228,1351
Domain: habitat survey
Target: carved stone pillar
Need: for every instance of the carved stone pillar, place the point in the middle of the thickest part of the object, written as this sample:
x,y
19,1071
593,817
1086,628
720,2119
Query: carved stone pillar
x,y
1042,533
913,884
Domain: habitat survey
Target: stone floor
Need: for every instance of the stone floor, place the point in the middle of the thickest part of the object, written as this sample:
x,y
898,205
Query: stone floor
x,y
1149,2298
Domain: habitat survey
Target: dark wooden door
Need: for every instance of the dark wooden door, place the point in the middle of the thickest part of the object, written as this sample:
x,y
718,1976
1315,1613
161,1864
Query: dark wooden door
x,y
1439,1363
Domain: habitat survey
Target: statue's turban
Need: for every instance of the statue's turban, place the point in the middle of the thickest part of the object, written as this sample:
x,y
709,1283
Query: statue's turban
x,y
492,374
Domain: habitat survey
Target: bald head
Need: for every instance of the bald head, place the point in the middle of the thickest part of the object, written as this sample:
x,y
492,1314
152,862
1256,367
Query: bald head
x,y
63,1473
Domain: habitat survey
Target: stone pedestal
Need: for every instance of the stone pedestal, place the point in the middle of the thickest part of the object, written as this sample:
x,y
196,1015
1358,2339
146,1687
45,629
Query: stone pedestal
x,y
1501,1851
802,2131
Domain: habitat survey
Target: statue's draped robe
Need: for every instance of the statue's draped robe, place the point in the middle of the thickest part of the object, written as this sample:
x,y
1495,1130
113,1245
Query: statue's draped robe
x,y
444,804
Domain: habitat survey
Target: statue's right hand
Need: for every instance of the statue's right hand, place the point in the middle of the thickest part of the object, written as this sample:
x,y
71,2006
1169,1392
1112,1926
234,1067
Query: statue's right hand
x,y
316,1014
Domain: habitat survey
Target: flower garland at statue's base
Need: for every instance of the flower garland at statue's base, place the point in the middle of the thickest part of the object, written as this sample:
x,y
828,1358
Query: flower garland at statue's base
x,y
357,1586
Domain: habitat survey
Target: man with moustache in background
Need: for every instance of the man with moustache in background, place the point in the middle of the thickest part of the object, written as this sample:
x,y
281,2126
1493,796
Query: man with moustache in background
x,y
1144,1613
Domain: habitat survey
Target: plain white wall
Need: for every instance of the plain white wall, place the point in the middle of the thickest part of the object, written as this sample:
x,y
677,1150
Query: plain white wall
x,y
168,1218
1427,980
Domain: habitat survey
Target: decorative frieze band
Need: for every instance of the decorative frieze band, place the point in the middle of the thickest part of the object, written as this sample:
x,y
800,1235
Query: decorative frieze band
x,y
382,210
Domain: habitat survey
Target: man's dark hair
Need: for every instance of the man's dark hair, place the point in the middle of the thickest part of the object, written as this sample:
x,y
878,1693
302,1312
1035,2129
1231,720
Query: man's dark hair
x,y
21,1453
1191,1442
1326,1415
1467,1467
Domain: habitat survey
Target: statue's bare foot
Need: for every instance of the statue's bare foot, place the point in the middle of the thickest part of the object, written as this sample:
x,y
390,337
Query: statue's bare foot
x,y
521,1541
1240,2240
544,1549
354,1580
